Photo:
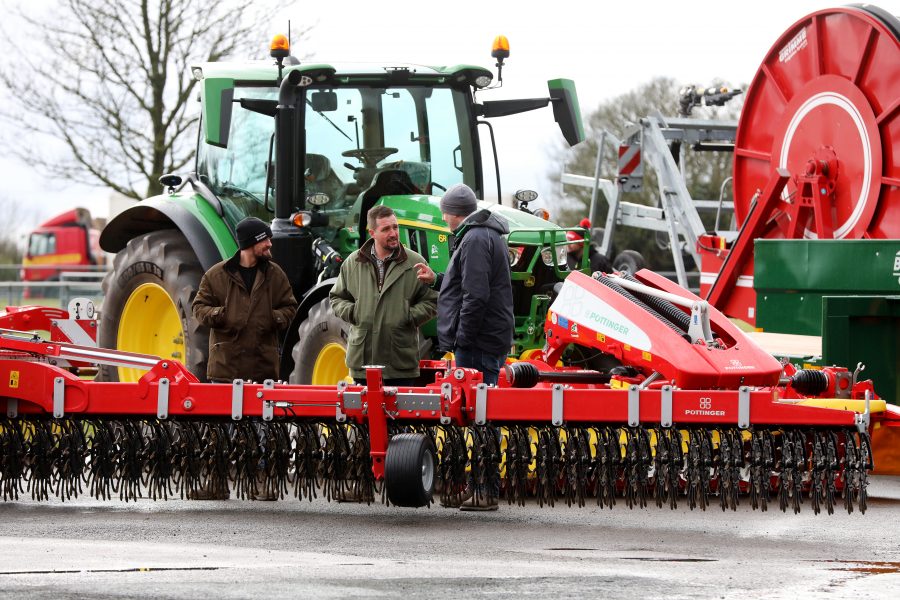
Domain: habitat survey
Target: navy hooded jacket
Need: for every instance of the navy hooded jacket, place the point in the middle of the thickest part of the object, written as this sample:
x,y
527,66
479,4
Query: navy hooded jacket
x,y
475,305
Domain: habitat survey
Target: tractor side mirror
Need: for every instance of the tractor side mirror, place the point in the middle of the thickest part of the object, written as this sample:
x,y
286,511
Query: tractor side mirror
x,y
566,110
324,101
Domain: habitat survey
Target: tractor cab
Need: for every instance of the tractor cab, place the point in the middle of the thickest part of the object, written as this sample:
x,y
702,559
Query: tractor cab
x,y
311,148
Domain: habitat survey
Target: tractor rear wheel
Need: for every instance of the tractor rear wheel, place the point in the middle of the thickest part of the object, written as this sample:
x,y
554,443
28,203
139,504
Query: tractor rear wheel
x,y
147,304
321,350
409,468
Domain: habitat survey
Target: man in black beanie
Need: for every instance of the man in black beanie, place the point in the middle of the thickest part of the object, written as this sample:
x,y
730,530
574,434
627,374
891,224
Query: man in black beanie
x,y
245,301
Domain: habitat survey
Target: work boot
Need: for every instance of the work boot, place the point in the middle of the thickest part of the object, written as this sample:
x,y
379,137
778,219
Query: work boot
x,y
260,492
353,494
456,500
208,492
480,503
263,496
478,498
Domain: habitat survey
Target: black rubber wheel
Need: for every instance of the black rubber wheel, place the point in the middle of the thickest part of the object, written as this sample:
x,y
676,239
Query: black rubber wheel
x,y
629,261
163,262
317,356
409,469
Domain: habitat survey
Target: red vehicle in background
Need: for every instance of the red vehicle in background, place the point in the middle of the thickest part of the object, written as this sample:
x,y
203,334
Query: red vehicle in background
x,y
66,242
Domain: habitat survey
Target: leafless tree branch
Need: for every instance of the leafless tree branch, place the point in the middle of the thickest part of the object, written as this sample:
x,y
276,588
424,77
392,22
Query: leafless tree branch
x,y
111,83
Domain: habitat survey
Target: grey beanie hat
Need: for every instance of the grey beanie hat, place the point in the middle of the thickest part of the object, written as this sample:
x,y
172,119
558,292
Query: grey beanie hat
x,y
459,200
251,231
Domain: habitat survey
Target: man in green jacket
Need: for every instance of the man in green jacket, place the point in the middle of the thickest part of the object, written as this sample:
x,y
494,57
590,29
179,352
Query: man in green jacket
x,y
380,296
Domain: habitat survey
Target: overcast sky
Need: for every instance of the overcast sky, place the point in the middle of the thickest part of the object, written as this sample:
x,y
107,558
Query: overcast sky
x,y
608,48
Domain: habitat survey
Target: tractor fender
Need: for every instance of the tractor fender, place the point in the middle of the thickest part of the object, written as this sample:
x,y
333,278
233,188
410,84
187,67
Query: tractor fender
x,y
312,297
153,215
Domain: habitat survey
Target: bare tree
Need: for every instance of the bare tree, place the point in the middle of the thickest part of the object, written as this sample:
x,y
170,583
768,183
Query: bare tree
x,y
705,171
111,81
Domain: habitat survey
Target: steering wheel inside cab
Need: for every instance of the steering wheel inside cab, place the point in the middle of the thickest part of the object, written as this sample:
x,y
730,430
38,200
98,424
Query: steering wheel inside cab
x,y
370,157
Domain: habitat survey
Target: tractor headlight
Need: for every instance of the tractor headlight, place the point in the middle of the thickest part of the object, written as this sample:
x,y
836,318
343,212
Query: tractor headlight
x,y
515,255
561,254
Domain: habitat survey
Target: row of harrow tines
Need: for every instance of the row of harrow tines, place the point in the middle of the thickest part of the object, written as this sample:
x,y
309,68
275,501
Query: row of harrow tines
x,y
579,440
603,465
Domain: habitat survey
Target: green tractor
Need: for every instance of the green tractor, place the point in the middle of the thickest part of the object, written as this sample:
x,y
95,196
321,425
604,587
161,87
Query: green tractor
x,y
310,148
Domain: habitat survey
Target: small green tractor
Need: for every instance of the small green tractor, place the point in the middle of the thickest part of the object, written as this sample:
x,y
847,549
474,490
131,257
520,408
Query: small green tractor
x,y
310,148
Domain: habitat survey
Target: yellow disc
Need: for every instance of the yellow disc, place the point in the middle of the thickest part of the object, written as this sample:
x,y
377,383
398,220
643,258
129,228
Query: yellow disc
x,y
331,365
149,325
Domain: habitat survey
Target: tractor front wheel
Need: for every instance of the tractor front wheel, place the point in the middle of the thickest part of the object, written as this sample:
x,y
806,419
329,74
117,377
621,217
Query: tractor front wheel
x,y
320,353
147,304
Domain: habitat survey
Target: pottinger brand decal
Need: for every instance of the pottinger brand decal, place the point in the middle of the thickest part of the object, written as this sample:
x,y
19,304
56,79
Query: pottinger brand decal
x,y
705,409
580,306
736,365
797,43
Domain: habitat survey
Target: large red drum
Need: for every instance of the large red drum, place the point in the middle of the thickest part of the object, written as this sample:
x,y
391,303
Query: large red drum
x,y
828,91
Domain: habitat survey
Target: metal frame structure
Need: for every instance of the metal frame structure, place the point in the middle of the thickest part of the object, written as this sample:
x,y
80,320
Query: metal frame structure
x,y
676,213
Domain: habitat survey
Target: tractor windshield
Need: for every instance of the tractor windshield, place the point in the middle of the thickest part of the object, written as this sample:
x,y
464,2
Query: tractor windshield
x,y
237,173
420,135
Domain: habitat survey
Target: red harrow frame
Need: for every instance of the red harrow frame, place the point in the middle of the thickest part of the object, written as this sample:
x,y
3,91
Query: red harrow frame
x,y
696,412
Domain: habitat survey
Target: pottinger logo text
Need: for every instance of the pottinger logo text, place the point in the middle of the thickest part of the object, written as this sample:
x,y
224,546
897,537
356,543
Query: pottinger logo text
x,y
705,409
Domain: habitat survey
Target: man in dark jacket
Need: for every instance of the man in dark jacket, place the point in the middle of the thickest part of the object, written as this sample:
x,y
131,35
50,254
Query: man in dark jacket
x,y
596,260
475,305
246,301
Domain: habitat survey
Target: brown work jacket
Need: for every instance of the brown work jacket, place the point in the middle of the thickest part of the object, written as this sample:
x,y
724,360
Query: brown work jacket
x,y
244,325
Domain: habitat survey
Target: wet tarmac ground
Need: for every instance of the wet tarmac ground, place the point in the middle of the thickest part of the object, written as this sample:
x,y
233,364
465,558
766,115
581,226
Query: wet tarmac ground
x,y
293,549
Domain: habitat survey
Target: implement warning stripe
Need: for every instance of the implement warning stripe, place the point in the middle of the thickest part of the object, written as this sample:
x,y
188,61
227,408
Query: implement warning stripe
x,y
629,159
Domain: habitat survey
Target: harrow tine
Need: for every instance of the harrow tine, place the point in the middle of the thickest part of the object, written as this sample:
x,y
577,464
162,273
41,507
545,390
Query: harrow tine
x,y
518,459
100,467
68,470
12,459
40,455
158,461
306,456
65,457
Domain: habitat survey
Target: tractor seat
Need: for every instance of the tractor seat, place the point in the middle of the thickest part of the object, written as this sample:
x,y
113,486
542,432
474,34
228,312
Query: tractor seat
x,y
386,183
320,177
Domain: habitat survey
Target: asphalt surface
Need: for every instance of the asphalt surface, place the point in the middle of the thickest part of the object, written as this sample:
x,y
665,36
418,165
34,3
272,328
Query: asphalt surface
x,y
289,549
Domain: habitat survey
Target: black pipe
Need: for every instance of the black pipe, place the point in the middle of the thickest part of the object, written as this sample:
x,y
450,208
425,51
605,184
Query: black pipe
x,y
286,148
526,375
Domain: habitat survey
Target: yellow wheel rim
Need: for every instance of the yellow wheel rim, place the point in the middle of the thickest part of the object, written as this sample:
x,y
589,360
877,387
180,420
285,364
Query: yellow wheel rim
x,y
149,325
331,365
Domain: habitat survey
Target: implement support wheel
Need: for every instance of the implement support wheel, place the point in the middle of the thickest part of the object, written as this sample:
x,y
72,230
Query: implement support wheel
x,y
409,469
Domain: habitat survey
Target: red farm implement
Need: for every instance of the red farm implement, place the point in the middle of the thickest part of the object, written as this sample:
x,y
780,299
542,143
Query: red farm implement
x,y
685,408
